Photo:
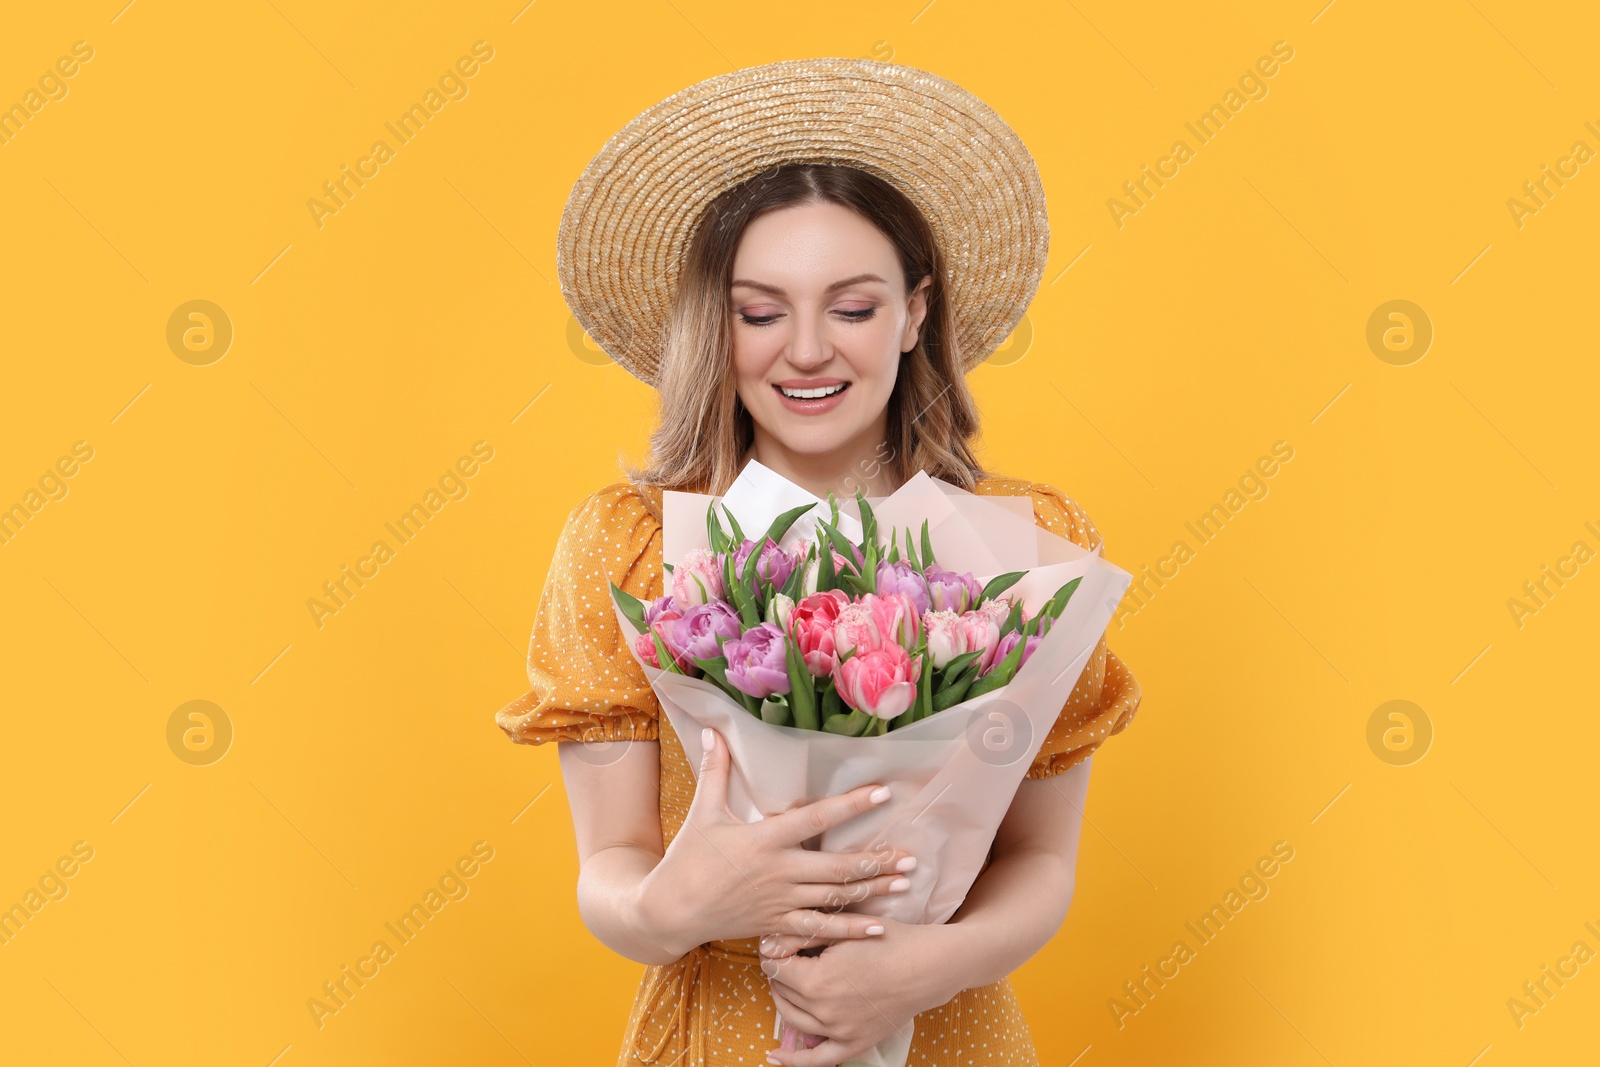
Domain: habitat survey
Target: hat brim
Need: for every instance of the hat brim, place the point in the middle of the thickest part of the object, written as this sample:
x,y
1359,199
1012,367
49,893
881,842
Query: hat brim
x,y
629,220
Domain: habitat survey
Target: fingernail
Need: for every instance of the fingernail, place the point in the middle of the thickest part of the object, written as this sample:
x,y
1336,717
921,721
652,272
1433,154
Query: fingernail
x,y
899,884
766,945
773,1059
874,929
907,864
769,968
707,739
879,795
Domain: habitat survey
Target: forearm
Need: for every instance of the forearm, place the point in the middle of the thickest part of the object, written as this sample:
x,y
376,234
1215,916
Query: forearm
x,y
1013,910
612,900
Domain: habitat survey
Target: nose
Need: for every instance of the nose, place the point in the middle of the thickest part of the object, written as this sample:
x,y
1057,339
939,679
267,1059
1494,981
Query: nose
x,y
808,347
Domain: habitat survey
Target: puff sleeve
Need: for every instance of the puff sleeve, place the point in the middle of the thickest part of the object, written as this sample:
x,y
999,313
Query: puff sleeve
x,y
585,683
1107,695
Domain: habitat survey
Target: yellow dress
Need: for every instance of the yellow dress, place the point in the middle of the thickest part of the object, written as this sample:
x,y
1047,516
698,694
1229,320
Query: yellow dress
x,y
711,1007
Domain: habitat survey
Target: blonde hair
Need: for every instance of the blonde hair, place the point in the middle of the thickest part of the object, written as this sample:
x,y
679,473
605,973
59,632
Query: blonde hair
x,y
702,433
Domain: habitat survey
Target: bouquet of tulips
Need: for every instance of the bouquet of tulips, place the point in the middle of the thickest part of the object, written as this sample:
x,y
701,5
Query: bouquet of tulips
x,y
832,635
828,660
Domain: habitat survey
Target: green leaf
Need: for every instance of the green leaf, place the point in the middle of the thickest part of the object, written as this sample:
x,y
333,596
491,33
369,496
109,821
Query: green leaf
x,y
1058,602
894,552
1000,583
776,714
831,704
631,606
826,579
958,664
927,547
1013,618
1000,674
851,724
738,534
952,695
663,657
911,552
841,544
749,578
781,524
791,588
802,691
869,521
924,704
745,602
714,535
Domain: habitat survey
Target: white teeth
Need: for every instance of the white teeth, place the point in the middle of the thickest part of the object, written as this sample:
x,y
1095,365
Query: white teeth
x,y
811,394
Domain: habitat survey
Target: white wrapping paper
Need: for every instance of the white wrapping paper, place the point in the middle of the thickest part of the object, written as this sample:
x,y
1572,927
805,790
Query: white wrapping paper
x,y
952,776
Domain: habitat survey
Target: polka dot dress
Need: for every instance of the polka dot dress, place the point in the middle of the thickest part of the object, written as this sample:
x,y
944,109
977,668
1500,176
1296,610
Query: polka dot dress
x,y
711,1007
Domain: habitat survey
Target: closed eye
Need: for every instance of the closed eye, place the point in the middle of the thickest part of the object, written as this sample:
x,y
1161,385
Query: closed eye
x,y
858,315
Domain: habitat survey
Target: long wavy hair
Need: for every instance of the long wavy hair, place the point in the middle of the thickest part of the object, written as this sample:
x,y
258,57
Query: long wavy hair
x,y
703,428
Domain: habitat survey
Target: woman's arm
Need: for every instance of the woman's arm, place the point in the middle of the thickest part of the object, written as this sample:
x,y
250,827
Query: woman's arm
x,y
721,877
1017,904
617,823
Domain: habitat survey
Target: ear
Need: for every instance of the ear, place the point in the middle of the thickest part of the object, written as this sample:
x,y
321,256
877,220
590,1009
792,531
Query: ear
x,y
917,311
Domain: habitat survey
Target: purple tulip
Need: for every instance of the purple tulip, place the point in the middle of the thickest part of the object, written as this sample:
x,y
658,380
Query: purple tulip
x,y
656,607
1003,648
950,591
902,577
757,661
774,565
702,628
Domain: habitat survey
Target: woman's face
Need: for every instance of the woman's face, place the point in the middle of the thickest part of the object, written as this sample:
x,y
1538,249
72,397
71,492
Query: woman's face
x,y
819,302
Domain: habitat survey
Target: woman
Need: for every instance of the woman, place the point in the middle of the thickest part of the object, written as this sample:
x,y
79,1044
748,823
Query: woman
x,y
813,318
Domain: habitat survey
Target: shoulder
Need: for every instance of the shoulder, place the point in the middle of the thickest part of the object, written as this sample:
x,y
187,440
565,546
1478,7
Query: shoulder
x,y
616,521
1052,509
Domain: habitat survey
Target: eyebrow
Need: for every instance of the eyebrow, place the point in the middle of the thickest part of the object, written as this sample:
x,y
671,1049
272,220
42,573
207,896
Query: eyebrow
x,y
775,291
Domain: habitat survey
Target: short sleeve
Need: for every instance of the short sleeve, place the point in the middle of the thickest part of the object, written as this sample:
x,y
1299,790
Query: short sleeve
x,y
585,683
1107,695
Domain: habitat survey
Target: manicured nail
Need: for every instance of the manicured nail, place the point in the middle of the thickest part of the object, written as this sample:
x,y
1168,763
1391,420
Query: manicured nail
x,y
707,739
898,884
773,1059
879,795
874,929
907,864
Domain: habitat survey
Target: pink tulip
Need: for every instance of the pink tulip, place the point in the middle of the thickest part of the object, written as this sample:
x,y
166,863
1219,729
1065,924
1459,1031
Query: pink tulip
x,y
877,620
947,636
811,624
982,632
697,580
880,681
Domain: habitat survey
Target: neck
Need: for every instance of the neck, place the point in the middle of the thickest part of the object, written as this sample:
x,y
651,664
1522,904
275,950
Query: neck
x,y
863,464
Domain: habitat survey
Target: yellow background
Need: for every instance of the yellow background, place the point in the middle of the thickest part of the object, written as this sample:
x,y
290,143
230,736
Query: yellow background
x,y
1166,356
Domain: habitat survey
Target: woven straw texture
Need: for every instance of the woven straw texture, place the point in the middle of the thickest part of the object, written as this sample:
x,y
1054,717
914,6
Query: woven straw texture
x,y
631,215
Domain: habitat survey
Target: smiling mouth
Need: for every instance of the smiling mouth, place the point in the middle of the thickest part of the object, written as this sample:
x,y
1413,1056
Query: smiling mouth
x,y
813,394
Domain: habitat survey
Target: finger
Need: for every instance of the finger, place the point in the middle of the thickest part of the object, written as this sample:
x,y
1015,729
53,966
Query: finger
x,y
829,925
812,819
814,866
821,896
829,1053
777,946
711,789
794,1015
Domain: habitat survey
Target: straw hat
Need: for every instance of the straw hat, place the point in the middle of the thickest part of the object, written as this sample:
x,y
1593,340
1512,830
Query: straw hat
x,y
631,215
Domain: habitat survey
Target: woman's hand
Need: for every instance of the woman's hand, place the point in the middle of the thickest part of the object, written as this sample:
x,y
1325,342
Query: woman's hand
x,y
856,993
725,878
